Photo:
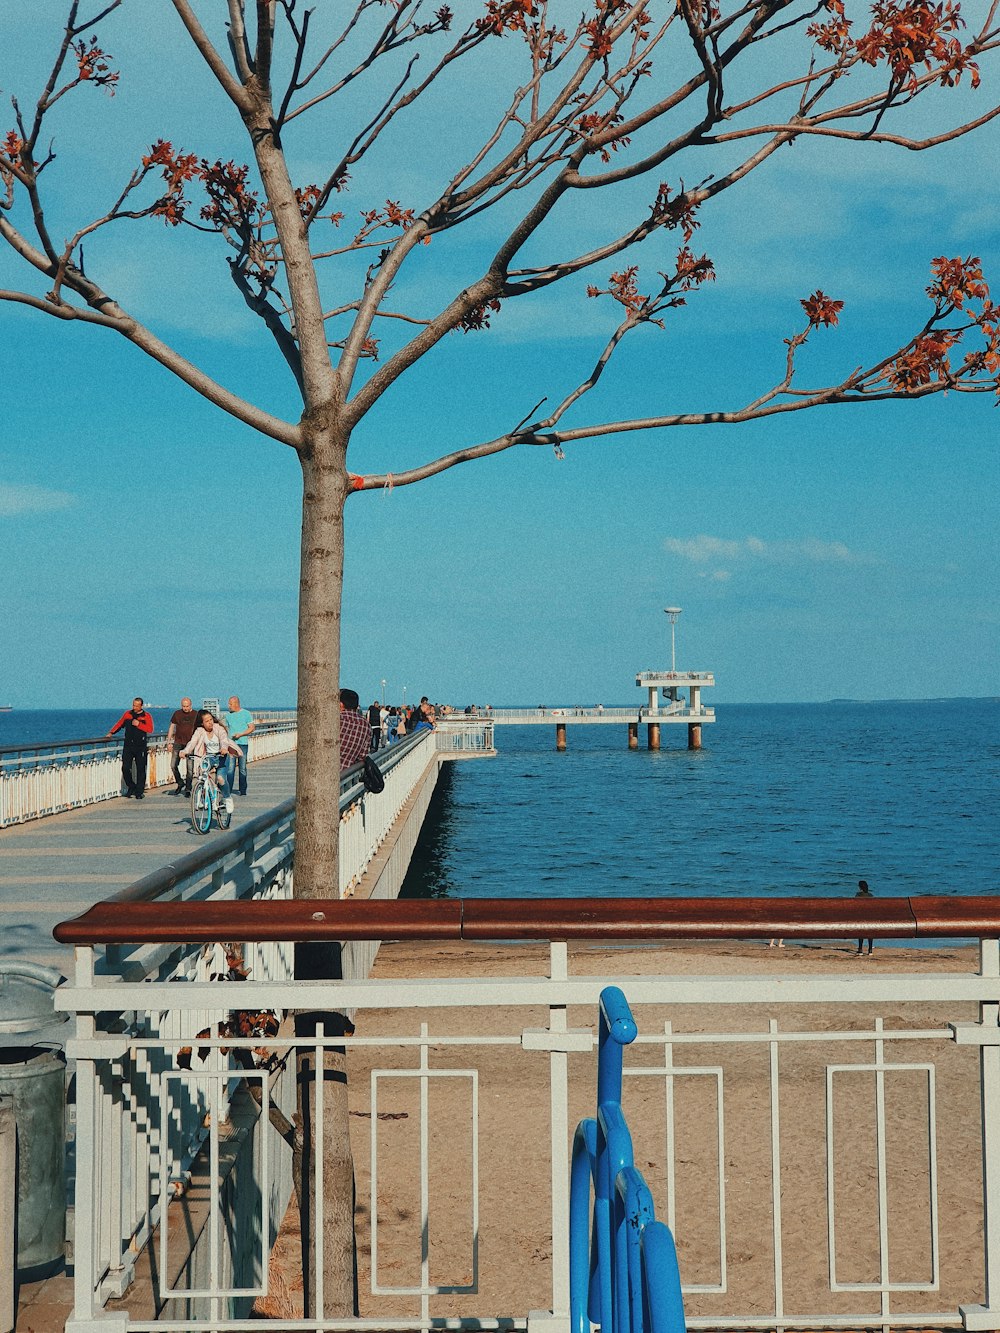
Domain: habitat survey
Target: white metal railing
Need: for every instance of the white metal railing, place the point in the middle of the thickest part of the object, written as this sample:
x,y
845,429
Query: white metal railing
x,y
141,1121
45,779
761,1162
459,735
680,677
673,710
365,821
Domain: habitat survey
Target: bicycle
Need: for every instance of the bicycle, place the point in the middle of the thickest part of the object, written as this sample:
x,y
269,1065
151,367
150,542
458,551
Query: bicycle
x,y
206,800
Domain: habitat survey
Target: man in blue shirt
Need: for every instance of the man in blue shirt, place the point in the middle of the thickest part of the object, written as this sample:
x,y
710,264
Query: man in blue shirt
x,y
239,723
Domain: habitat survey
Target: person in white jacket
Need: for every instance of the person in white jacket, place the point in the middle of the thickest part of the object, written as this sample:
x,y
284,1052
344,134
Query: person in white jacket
x,y
212,739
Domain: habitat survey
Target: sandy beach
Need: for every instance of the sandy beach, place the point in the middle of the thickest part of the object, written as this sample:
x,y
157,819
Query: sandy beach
x,y
513,1115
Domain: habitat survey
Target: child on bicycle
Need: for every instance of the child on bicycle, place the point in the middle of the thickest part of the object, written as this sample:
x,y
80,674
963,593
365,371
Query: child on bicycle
x,y
212,739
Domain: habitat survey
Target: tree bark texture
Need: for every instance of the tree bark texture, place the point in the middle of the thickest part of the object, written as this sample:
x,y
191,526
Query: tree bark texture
x,y
321,578
317,834
339,1296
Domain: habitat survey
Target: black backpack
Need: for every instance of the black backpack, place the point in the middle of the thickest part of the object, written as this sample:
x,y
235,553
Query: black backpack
x,y
371,775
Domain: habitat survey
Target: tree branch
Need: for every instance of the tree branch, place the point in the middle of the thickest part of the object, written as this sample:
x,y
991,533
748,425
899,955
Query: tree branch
x,y
233,89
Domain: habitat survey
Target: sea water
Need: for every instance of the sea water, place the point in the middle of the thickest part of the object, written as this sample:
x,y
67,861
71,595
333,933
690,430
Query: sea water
x,y
26,727
783,800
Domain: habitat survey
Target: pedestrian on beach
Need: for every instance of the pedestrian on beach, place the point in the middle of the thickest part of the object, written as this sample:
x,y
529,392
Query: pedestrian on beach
x,y
355,731
212,739
864,892
138,726
182,726
240,725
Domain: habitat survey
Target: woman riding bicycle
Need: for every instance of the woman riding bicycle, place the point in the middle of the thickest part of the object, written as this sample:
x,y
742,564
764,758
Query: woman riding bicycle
x,y
211,739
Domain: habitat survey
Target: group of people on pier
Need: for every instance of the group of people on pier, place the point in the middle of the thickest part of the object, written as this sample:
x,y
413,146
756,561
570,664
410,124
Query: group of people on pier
x,y
192,733
364,733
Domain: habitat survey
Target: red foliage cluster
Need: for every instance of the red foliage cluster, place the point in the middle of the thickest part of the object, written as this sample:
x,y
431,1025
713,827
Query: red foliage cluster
x,y
917,33
672,213
393,215
822,309
599,29
593,122
507,16
957,283
93,65
306,197
599,41
444,16
10,156
624,287
924,360
692,272
834,36
178,169
903,36
230,203
479,317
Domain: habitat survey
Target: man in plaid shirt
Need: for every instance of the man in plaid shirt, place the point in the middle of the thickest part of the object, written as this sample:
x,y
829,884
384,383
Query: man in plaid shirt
x,y
355,733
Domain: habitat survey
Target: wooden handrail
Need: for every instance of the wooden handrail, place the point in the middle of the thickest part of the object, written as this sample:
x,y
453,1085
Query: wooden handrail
x,y
639,919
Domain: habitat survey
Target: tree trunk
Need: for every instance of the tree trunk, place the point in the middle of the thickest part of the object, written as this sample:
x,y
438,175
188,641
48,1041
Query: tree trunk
x,y
321,580
317,834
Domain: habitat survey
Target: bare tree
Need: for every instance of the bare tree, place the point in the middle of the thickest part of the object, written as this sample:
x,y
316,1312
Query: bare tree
x,y
654,108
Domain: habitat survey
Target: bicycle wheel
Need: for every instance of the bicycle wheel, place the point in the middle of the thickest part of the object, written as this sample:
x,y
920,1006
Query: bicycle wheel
x,y
223,815
201,806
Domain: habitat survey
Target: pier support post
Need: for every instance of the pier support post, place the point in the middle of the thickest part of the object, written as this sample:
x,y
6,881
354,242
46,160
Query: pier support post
x,y
694,735
653,736
560,735
633,735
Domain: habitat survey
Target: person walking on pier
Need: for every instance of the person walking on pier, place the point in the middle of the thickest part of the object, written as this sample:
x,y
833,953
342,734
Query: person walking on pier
x,y
375,722
240,724
864,892
181,729
138,726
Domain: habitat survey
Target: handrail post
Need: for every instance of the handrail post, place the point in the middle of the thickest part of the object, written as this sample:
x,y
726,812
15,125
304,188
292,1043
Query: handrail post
x,y
8,1203
986,1035
87,1316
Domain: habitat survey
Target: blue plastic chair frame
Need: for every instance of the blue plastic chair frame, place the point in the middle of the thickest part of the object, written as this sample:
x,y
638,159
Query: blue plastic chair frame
x,y
622,1262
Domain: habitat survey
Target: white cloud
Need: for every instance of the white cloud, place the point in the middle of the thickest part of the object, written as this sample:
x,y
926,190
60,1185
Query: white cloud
x,y
719,551
16,500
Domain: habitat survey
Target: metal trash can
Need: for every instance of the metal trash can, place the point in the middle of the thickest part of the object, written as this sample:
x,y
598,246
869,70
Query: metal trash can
x,y
33,1076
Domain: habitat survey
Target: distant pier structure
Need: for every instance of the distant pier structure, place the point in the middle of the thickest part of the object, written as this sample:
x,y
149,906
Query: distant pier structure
x,y
674,697
668,686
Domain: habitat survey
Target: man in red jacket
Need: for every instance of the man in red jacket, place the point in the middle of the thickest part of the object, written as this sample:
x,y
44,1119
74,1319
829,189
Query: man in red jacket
x,y
138,726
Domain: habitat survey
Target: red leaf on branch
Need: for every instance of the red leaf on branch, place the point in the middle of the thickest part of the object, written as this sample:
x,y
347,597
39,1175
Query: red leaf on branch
x,y
672,213
479,318
822,309
94,66
917,33
926,360
507,16
957,281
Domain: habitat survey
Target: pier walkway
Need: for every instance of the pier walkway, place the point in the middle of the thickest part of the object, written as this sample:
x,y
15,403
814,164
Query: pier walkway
x,y
59,866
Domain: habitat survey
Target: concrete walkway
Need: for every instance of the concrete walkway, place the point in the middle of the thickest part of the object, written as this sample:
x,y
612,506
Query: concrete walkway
x,y
57,867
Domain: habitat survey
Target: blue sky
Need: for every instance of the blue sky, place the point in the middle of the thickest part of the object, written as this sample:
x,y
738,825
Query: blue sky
x,y
150,543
